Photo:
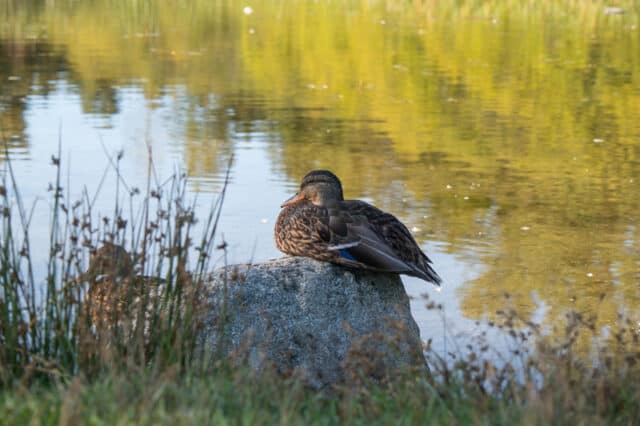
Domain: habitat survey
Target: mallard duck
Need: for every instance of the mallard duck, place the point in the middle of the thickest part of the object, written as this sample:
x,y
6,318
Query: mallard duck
x,y
110,276
318,222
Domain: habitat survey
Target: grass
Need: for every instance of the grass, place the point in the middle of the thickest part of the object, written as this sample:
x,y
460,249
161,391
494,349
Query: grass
x,y
58,365
47,330
239,397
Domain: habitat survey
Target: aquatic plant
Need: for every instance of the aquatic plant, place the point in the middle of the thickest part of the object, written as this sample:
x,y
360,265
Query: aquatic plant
x,y
44,331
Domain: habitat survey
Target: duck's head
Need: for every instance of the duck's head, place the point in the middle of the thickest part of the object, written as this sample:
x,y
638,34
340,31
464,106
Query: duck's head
x,y
320,187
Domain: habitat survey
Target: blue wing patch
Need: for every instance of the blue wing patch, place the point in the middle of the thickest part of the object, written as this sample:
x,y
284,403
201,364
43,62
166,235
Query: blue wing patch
x,y
344,253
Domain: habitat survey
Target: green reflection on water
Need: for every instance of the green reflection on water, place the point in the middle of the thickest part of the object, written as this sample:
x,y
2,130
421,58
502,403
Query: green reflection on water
x,y
510,128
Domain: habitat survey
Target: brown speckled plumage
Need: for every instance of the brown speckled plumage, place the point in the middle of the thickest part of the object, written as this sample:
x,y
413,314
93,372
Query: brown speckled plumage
x,y
120,303
318,223
302,230
115,292
109,274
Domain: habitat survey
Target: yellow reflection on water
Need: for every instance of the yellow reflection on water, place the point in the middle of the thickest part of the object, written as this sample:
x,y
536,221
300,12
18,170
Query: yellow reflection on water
x,y
513,126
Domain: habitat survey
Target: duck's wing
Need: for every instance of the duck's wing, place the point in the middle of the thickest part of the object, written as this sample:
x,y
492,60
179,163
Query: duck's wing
x,y
359,246
378,240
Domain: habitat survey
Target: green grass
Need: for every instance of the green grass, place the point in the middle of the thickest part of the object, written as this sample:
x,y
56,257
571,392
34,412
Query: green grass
x,y
237,397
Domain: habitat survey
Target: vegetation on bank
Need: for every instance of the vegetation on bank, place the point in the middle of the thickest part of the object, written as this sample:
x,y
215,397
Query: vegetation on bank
x,y
51,324
236,396
50,372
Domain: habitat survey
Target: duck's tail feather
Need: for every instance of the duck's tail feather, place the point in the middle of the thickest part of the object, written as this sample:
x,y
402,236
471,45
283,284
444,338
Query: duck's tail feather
x,y
428,274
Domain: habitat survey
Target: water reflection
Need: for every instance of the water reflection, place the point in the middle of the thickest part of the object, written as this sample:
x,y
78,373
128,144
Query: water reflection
x,y
509,147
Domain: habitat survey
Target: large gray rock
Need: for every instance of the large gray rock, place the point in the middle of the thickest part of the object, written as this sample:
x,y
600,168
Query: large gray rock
x,y
313,319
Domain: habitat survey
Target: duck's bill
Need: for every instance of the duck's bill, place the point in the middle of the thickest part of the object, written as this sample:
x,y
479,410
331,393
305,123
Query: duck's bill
x,y
296,197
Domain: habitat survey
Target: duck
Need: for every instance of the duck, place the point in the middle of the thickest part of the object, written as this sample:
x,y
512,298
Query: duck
x,y
113,284
317,222
125,310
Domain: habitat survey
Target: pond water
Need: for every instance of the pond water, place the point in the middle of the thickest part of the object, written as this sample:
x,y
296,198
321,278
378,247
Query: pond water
x,y
506,135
